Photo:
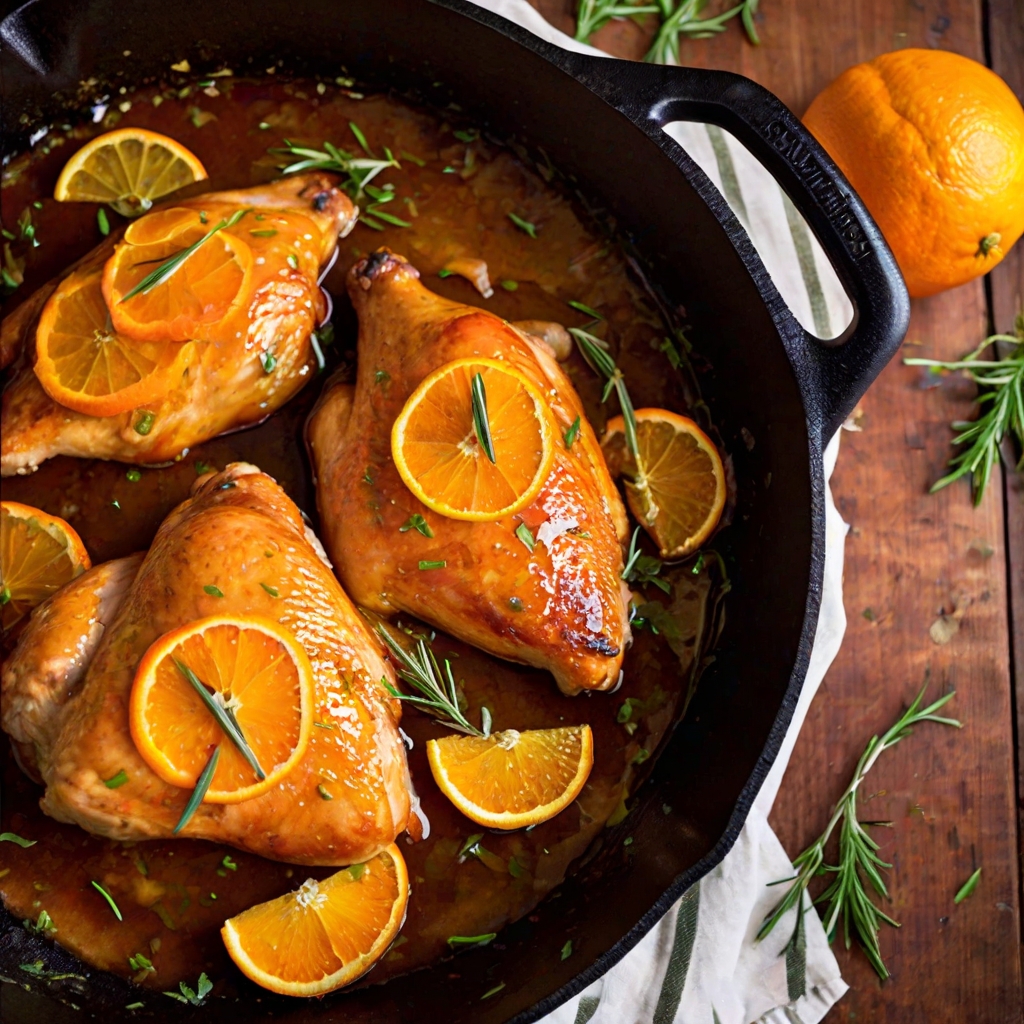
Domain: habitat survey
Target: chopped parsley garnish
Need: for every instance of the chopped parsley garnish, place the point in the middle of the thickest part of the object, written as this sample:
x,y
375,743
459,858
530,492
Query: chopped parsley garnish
x,y
643,569
228,863
213,591
640,756
272,591
102,222
144,422
433,565
510,286
194,998
444,272
515,869
292,261
466,136
524,533
133,476
43,925
201,468
523,225
471,940
515,604
567,950
416,522
381,377
572,433
138,962
117,780
323,791
268,360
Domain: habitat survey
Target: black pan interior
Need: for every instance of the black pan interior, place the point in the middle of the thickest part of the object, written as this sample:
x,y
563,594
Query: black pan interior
x,y
712,767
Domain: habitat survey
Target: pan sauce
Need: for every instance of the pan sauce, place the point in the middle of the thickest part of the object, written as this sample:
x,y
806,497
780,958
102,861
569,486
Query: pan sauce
x,y
175,895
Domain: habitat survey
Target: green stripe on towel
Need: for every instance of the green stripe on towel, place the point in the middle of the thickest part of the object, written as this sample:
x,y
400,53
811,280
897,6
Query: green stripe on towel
x,y
587,1008
679,960
727,172
808,269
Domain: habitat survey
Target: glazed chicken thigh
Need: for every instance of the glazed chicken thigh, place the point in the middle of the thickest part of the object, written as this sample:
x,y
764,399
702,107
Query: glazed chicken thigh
x,y
561,606
262,355
67,685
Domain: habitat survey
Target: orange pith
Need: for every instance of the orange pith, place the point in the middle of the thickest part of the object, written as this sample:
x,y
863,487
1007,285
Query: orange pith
x,y
198,296
253,666
934,144
128,168
513,779
680,497
84,364
438,456
39,553
325,934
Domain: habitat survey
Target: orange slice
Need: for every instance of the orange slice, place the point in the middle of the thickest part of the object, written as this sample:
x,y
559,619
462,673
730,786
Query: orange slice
x,y
513,779
39,553
128,169
206,286
85,365
325,934
252,667
680,498
436,451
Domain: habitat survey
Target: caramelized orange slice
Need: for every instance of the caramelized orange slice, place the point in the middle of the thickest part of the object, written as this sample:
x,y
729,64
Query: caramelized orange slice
x,y
128,168
680,497
513,779
39,553
204,288
84,364
256,671
325,934
436,447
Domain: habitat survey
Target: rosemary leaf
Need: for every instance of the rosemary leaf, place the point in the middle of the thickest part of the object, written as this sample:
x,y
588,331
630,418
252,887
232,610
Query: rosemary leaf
x,y
968,887
572,433
480,421
455,941
225,718
174,263
110,899
525,534
523,225
418,523
202,785
13,837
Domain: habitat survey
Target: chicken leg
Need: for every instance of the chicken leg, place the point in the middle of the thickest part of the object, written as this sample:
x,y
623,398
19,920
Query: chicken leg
x,y
67,713
561,606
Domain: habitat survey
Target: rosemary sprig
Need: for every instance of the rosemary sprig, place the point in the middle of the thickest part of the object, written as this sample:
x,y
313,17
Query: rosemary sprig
x,y
199,793
847,895
225,718
683,19
481,423
439,695
641,568
1001,408
358,171
174,263
594,14
595,352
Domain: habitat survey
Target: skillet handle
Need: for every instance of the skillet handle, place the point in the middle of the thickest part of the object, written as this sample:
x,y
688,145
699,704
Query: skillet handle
x,y
842,368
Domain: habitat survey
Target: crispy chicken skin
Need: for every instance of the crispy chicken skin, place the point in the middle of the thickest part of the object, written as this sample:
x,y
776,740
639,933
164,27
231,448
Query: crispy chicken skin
x,y
224,385
68,713
562,607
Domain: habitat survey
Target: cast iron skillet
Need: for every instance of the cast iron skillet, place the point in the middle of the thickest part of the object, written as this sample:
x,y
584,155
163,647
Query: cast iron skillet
x,y
599,121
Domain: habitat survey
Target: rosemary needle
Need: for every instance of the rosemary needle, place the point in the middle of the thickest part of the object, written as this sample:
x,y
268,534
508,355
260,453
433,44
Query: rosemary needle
x,y
174,263
847,896
481,423
199,793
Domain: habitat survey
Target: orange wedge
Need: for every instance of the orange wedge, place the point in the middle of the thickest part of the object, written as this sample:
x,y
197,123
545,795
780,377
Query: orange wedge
x,y
207,285
128,169
39,553
85,365
437,452
513,779
325,934
255,670
680,497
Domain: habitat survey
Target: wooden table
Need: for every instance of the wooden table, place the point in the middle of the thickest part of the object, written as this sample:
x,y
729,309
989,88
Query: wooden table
x,y
953,798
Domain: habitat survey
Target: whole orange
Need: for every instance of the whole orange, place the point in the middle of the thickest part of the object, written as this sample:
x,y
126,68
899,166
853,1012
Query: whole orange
x,y
934,144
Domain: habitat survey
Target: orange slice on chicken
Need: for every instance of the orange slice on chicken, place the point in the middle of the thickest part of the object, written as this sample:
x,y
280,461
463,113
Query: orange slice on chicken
x,y
679,497
206,275
39,553
259,676
513,779
128,168
84,364
327,933
438,447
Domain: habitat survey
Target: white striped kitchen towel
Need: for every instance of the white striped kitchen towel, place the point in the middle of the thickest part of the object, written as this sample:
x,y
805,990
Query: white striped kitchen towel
x,y
701,964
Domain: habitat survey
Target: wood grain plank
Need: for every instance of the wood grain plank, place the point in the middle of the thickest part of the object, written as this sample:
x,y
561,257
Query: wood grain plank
x,y
910,557
1006,36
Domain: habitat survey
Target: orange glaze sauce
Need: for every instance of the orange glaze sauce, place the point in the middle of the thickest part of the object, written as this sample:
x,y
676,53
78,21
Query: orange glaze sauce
x,y
175,895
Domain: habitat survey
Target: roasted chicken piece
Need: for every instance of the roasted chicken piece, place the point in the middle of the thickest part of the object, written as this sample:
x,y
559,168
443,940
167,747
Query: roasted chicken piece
x,y
66,687
257,360
561,606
